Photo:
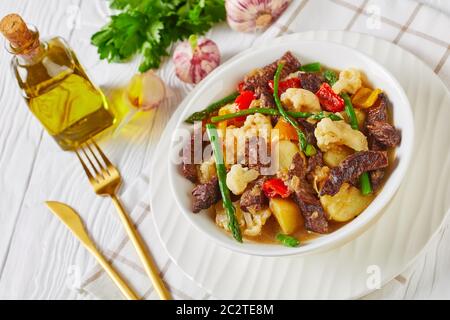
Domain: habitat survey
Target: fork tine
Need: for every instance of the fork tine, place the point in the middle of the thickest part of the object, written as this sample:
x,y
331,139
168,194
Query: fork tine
x,y
100,165
86,169
105,159
97,173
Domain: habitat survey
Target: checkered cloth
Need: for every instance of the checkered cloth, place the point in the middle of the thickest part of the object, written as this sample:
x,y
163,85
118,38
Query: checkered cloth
x,y
419,26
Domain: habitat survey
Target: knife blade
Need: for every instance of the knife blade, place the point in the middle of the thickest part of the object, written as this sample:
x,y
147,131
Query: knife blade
x,y
73,221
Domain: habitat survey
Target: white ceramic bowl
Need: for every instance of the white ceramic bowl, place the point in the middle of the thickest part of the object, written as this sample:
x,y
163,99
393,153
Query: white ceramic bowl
x,y
223,80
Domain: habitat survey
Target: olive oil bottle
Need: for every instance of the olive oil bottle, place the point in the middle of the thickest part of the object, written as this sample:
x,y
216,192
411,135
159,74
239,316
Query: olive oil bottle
x,y
55,86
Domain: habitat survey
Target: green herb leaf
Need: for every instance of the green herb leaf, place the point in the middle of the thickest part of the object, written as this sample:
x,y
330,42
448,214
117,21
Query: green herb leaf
x,y
149,27
288,241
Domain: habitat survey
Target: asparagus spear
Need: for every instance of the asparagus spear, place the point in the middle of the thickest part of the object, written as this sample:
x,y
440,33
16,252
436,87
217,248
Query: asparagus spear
x,y
233,224
273,112
287,240
309,151
201,115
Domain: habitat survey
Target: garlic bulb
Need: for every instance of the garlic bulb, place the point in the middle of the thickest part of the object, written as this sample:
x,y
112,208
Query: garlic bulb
x,y
253,15
145,91
195,59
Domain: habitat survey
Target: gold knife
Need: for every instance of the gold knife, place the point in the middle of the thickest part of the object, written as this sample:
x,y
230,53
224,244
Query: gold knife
x,y
73,221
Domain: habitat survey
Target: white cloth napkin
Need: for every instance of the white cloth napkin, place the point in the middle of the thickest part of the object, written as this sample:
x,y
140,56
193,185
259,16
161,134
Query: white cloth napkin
x,y
421,27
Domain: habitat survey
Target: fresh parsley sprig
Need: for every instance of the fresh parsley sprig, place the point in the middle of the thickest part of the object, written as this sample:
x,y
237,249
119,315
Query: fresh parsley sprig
x,y
149,27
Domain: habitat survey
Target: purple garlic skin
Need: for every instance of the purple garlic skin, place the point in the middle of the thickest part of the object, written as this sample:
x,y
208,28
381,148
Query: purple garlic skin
x,y
253,15
192,65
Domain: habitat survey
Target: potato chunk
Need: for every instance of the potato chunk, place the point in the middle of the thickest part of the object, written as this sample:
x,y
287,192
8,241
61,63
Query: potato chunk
x,y
346,204
287,214
286,152
335,155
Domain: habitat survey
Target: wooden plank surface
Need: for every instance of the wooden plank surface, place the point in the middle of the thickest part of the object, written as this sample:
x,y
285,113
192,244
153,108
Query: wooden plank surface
x,y
39,259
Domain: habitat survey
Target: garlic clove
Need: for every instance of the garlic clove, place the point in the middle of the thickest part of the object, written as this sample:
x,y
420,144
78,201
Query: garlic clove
x,y
195,59
145,91
253,15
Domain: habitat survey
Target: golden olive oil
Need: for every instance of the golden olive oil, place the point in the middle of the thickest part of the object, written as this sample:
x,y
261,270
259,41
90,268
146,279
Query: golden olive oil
x,y
58,91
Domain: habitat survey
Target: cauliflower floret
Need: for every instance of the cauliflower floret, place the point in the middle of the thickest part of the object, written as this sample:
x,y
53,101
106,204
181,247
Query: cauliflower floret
x,y
255,221
330,133
207,170
256,123
238,178
300,100
349,81
250,223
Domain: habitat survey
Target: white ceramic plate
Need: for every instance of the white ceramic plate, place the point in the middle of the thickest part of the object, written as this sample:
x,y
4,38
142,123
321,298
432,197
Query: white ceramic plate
x,y
332,55
409,220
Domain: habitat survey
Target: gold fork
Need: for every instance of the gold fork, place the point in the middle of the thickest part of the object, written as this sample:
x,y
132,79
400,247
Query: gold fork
x,y
105,178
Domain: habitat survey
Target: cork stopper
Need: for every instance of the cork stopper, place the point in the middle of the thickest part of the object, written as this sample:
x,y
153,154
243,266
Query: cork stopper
x,y
16,31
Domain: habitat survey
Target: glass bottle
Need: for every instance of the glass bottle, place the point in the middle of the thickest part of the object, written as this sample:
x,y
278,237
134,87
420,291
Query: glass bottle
x,y
55,86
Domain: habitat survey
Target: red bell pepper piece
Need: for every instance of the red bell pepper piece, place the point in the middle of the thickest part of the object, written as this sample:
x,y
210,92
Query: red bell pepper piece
x,y
329,100
275,187
286,84
243,102
240,86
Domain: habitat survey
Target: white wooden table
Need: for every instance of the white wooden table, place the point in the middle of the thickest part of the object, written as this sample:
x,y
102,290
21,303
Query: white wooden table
x,y
38,255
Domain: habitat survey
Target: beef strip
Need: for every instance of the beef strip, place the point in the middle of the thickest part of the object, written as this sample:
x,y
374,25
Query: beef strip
x,y
378,112
375,117
351,168
253,197
258,80
205,195
308,129
305,197
256,154
314,162
188,166
311,81
384,133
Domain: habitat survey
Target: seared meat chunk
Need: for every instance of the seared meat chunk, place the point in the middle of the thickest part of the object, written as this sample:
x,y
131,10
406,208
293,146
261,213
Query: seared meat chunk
x,y
380,133
311,81
188,166
376,177
308,129
314,162
384,133
304,196
378,112
258,81
256,154
205,195
189,171
253,198
267,100
317,159
351,168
